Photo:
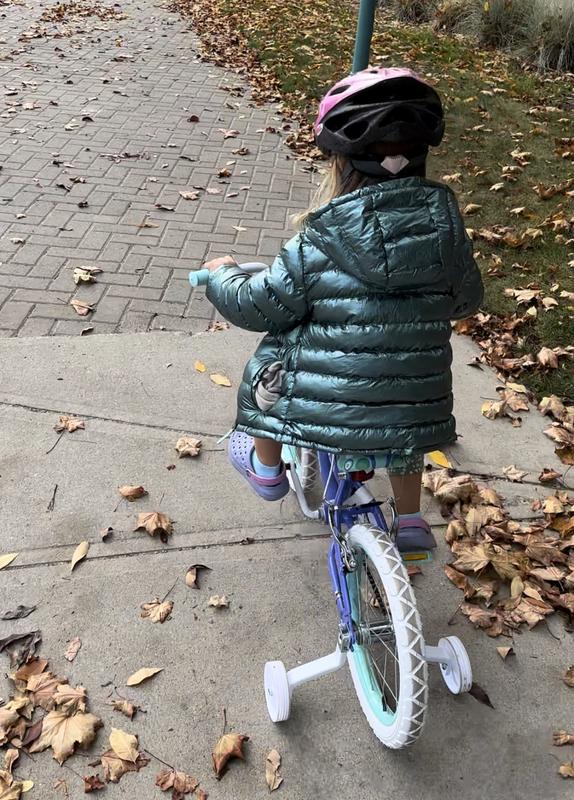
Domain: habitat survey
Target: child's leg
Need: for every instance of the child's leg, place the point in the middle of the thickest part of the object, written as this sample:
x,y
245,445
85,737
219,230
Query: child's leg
x,y
407,492
268,452
405,475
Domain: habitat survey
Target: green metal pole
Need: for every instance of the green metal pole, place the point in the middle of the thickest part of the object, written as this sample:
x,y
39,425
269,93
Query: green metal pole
x,y
364,35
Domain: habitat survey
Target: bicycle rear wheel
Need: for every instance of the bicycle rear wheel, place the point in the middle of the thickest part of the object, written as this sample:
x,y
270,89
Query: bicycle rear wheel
x,y
387,664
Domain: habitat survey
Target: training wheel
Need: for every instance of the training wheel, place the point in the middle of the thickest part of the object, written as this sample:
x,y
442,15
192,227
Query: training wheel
x,y
277,693
457,672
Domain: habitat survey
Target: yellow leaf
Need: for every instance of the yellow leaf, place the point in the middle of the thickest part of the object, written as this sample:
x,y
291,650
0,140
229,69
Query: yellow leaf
x,y
440,459
125,745
26,786
199,366
143,675
80,553
7,559
220,380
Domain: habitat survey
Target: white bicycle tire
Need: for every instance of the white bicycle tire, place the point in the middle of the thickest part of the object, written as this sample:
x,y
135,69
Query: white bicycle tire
x,y
413,670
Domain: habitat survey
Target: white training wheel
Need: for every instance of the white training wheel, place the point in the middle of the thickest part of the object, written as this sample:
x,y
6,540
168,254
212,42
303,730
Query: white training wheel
x,y
457,672
277,693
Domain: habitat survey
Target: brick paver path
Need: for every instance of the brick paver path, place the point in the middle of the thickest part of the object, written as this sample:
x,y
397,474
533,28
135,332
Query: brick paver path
x,y
94,133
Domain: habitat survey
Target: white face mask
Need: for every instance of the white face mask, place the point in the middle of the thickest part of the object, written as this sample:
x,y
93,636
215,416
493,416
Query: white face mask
x,y
394,164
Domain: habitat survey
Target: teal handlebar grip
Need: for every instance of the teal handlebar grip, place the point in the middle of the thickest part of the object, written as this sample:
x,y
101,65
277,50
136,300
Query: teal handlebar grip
x,y
198,277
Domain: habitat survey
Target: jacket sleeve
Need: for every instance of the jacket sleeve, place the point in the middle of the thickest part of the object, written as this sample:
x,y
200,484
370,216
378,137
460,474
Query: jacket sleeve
x,y
468,288
272,301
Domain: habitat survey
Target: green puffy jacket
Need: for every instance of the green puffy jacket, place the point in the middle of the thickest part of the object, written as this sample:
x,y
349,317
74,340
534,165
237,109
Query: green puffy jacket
x,y
357,308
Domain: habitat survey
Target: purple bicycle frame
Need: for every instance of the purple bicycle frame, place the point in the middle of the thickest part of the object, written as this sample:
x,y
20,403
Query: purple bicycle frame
x,y
338,488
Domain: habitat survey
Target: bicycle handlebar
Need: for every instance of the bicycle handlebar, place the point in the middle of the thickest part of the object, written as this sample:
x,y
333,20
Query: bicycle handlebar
x,y
200,277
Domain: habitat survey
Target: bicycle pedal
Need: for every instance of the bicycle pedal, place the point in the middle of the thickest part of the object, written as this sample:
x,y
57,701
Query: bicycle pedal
x,y
422,555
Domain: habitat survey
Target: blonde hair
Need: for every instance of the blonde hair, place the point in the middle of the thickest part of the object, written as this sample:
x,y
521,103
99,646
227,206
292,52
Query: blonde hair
x,y
339,178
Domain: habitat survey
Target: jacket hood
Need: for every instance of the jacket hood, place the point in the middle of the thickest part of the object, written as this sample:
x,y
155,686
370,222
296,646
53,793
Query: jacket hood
x,y
390,234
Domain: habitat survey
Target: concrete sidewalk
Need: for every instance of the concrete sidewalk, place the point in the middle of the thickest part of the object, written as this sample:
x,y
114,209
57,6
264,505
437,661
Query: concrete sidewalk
x,y
136,399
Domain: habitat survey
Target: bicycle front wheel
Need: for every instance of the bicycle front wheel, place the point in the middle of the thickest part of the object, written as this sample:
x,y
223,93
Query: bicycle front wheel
x,y
387,664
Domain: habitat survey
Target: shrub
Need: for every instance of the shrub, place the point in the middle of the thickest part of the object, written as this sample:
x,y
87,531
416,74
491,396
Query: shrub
x,y
414,10
506,23
554,36
451,15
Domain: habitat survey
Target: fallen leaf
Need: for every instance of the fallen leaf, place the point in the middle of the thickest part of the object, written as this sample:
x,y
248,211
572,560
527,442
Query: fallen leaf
x,y
504,652
143,675
560,738
567,769
132,493
548,474
20,646
83,275
62,733
73,648
188,446
92,783
471,208
192,575
6,559
440,459
157,610
513,473
81,308
124,745
454,178
69,424
179,782
497,187
34,667
18,613
199,366
163,207
220,380
105,533
229,746
18,240
228,133
126,708
42,689
568,677
190,195
70,698
115,767
155,523
80,553
272,775
547,358
455,530
218,601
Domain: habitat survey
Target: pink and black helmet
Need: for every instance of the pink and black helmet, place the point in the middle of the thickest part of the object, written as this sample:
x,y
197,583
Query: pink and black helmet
x,y
390,105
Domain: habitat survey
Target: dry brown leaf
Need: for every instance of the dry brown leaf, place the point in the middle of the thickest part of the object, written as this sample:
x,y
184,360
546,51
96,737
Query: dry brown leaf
x,y
471,208
220,380
547,358
179,782
155,523
490,621
21,646
69,424
42,688
218,601
115,767
84,275
568,677
124,745
92,783
514,474
188,446
80,553
566,769
73,648
492,409
143,675
472,557
272,775
132,493
199,366
70,699
560,738
157,610
228,746
81,308
548,475
456,530
504,652
192,575
34,667
553,406
190,195
126,708
62,733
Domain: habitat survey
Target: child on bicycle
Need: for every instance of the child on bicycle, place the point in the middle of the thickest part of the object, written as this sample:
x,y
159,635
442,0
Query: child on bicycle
x,y
357,306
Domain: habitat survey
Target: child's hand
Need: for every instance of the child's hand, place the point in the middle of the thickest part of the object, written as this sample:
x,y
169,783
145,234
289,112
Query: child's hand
x,y
215,263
